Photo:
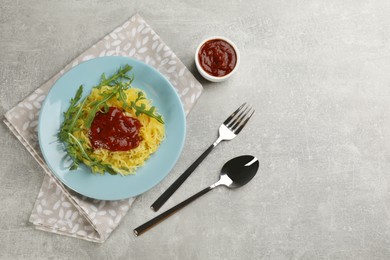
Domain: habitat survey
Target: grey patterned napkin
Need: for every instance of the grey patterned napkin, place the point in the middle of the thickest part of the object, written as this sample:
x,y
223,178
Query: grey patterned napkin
x,y
57,208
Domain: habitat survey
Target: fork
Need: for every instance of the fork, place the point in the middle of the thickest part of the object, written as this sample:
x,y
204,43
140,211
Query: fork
x,y
229,129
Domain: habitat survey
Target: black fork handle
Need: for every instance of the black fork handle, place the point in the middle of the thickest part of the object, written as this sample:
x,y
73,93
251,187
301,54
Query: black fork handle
x,y
174,186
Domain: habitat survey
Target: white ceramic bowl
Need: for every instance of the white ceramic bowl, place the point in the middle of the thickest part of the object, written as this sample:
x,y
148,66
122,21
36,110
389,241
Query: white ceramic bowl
x,y
207,75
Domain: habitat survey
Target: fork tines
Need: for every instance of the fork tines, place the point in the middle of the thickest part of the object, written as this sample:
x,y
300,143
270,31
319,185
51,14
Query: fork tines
x,y
238,119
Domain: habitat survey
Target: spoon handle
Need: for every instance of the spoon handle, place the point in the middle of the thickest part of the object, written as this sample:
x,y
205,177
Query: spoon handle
x,y
151,223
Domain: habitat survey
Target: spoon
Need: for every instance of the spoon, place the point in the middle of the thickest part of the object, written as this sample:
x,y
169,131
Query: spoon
x,y
235,173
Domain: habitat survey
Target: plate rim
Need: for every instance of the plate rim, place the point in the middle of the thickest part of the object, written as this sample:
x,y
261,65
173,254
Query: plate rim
x,y
158,180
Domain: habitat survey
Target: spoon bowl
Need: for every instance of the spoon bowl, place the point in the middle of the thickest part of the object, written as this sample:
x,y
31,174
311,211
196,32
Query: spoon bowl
x,y
235,173
239,171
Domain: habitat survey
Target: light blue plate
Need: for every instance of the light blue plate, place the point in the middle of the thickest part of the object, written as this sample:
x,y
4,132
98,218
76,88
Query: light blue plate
x,y
111,187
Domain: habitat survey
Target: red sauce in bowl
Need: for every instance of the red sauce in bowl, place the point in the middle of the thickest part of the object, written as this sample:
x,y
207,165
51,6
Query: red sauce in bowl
x,y
115,131
217,57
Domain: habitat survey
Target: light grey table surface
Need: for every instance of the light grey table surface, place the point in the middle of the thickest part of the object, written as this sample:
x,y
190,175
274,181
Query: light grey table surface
x,y
318,75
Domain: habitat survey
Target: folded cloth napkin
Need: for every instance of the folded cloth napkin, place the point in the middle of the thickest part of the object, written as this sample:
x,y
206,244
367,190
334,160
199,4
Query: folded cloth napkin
x,y
57,208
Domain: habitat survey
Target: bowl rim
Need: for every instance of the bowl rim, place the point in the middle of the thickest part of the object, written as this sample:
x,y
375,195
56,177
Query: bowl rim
x,y
206,74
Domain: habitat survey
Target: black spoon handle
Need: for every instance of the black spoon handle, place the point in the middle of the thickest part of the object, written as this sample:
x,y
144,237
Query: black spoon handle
x,y
151,223
174,186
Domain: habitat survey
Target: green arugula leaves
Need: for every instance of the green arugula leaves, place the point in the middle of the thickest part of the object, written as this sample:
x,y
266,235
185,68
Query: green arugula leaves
x,y
118,82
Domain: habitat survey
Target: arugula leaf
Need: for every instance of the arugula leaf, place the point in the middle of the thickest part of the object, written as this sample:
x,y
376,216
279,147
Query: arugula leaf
x,y
71,115
141,109
121,73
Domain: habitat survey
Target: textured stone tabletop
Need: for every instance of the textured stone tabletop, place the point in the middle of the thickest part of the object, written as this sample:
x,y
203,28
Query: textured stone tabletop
x,y
317,73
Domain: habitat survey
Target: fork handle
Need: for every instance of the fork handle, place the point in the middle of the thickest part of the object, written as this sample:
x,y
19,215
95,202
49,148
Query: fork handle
x,y
151,223
174,186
